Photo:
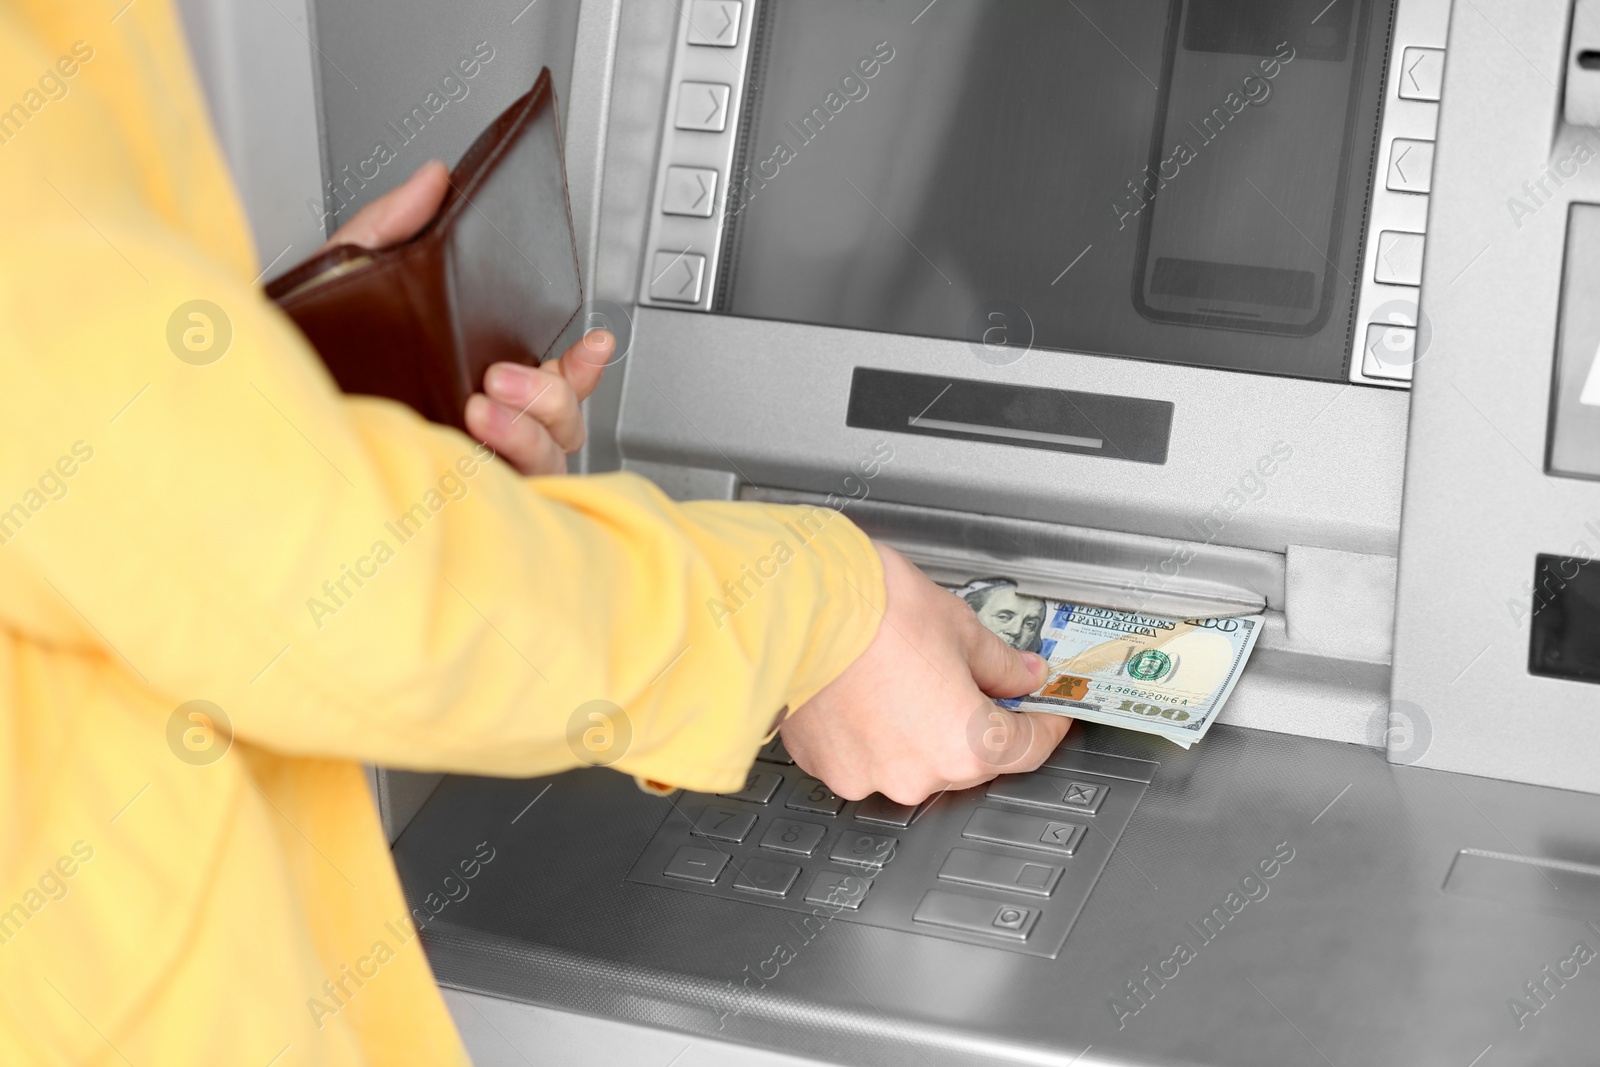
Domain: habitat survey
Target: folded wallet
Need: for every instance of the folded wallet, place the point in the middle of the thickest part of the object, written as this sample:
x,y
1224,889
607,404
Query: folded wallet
x,y
492,278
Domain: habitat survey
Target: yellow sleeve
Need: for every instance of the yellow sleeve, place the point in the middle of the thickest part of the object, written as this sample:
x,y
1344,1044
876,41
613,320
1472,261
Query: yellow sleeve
x,y
339,577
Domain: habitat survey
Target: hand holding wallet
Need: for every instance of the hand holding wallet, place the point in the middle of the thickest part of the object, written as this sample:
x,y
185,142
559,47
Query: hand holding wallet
x,y
492,278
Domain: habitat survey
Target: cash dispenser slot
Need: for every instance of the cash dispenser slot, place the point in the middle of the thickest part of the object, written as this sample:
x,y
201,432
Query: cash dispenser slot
x,y
1109,569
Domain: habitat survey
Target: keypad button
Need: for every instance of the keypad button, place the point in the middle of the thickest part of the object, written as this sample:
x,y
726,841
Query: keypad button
x,y
1399,259
1421,73
880,809
714,23
1046,791
690,191
870,850
766,877
702,106
976,915
677,277
971,867
811,795
1024,831
724,824
758,787
774,752
696,864
791,835
1410,165
1390,351
837,890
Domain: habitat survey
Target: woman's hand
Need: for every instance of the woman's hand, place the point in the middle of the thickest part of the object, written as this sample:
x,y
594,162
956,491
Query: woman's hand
x,y
914,714
529,415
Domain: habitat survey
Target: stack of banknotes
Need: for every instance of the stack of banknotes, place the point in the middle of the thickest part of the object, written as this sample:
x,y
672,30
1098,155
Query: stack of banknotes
x,y
1158,675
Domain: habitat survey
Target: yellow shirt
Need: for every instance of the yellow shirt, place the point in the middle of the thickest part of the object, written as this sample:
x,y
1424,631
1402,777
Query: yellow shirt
x,y
343,581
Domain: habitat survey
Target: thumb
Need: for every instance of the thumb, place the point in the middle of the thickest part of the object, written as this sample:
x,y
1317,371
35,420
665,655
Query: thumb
x,y
1000,670
398,214
584,363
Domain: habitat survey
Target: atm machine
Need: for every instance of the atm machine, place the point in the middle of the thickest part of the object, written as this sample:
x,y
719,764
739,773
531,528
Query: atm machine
x,y
1198,307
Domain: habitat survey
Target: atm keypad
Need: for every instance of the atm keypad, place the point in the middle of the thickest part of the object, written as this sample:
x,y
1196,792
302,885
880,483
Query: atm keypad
x,y
724,824
789,835
1007,865
811,795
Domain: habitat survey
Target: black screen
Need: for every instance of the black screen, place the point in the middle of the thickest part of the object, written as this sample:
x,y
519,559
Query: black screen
x,y
1175,180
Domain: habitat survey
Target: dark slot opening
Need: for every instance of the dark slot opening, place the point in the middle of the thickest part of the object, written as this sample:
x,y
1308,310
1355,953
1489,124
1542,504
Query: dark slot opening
x,y
1589,59
1233,282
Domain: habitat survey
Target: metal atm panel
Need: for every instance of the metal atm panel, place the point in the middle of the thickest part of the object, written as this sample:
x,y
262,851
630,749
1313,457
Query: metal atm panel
x,y
1296,889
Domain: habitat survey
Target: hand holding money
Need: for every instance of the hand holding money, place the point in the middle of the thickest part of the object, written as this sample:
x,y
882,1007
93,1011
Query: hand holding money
x,y
1157,675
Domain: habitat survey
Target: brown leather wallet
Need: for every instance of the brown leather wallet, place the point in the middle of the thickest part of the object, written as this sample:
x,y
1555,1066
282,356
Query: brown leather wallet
x,y
493,277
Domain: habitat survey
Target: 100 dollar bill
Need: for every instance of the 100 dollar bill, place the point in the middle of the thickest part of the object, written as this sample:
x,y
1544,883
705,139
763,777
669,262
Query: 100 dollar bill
x,y
1150,673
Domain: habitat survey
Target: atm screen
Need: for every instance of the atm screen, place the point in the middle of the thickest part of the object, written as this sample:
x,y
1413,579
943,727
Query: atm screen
x,y
1180,181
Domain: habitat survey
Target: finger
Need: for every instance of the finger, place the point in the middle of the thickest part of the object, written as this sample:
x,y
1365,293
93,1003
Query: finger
x,y
997,668
584,363
543,396
523,443
398,214
1048,730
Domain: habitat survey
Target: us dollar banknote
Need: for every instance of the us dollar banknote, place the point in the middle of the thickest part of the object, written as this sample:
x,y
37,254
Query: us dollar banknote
x,y
1158,675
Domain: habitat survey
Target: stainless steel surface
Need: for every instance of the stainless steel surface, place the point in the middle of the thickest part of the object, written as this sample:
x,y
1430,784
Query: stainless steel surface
x,y
779,422
1305,877
505,1033
1479,504
1078,564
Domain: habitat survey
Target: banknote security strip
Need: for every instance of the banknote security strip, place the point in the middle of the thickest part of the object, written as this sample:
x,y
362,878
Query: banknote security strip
x,y
1007,865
